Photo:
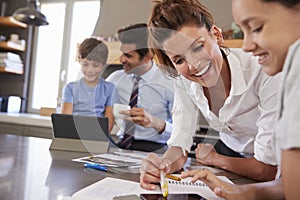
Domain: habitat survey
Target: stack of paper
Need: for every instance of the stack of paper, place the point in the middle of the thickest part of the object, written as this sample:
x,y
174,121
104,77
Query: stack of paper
x,y
111,160
11,61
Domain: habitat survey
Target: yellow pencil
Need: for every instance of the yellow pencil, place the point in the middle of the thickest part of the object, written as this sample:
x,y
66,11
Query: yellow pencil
x,y
175,178
163,184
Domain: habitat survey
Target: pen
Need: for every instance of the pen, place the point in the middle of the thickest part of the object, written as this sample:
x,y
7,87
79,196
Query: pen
x,y
96,166
163,184
175,178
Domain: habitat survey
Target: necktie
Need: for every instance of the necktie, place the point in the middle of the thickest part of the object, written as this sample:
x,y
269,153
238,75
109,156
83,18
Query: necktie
x,y
126,142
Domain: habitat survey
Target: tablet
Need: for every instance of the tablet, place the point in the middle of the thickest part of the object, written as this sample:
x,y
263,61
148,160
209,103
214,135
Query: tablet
x,y
171,197
79,133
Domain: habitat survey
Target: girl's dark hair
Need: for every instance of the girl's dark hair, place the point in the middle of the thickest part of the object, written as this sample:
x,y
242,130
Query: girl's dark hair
x,y
169,16
287,3
93,49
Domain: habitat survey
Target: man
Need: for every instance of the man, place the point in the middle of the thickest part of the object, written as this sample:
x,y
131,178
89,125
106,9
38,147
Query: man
x,y
151,114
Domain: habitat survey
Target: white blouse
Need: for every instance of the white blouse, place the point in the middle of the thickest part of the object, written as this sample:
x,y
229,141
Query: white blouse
x,y
287,133
245,121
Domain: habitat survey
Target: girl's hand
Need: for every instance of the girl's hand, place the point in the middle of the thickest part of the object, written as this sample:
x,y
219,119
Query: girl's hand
x,y
220,188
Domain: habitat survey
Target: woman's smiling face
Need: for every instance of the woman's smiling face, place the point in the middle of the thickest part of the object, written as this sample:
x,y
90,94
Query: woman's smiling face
x,y
195,54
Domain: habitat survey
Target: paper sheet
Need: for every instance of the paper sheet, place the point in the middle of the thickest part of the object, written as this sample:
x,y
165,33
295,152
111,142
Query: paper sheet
x,y
111,160
108,188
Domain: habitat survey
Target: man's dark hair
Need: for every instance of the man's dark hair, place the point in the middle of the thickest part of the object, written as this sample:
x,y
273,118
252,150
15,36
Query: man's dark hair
x,y
137,34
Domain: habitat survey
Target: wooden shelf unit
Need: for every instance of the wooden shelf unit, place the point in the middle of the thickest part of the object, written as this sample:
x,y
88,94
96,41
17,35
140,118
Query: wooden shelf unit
x,y
233,43
8,70
10,46
9,21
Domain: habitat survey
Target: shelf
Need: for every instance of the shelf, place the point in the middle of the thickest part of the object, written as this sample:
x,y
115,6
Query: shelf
x,y
11,22
12,71
233,43
10,46
114,52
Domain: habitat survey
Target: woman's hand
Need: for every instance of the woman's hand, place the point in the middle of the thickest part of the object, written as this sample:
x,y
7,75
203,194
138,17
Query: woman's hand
x,y
206,154
150,170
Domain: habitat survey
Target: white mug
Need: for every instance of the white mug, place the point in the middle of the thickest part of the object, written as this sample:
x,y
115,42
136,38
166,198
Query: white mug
x,y
117,108
119,118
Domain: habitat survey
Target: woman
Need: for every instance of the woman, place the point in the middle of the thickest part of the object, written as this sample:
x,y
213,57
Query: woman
x,y
271,31
226,85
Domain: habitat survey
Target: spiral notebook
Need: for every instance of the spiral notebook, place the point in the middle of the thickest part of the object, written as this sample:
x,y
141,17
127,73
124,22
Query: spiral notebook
x,y
186,182
185,186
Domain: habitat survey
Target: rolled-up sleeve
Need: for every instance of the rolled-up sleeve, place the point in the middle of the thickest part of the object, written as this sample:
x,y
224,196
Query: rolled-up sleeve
x,y
185,117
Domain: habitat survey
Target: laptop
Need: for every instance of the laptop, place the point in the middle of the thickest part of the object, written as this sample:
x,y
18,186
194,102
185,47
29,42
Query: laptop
x,y
80,133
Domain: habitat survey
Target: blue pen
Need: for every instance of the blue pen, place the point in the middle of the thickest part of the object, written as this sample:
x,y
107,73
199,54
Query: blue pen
x,y
96,166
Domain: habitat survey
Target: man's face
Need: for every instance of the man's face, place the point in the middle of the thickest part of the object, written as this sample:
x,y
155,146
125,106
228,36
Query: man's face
x,y
130,59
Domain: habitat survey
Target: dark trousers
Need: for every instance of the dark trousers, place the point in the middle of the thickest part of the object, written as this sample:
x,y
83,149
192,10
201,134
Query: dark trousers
x,y
148,146
221,148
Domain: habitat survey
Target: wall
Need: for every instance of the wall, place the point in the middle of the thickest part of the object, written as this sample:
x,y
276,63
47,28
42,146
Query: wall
x,y
119,13
221,10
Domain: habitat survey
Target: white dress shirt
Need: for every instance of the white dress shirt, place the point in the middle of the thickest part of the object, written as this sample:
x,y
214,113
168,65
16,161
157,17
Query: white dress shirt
x,y
156,96
245,121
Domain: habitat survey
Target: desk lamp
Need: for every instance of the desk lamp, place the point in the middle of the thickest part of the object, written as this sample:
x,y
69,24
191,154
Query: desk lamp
x,y
31,14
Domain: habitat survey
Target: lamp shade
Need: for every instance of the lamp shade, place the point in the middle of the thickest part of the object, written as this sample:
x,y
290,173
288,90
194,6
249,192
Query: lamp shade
x,y
31,16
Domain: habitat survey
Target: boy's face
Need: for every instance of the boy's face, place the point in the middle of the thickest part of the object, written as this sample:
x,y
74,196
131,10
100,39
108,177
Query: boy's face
x,y
91,70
